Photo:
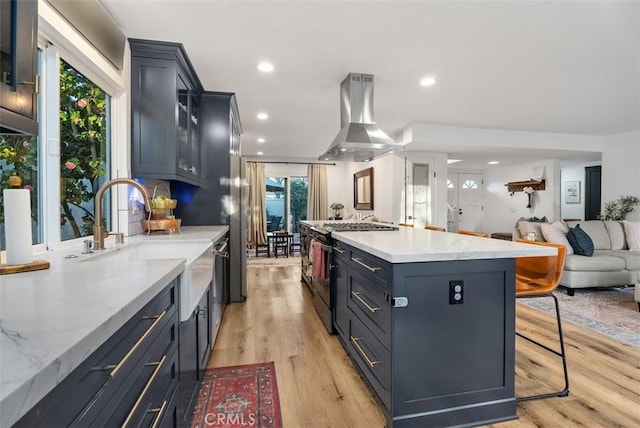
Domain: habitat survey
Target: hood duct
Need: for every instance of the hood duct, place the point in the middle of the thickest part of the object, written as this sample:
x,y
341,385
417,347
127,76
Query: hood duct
x,y
359,138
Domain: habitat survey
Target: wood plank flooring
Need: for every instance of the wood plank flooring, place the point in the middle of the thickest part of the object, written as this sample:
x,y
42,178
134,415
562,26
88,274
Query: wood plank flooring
x,y
319,387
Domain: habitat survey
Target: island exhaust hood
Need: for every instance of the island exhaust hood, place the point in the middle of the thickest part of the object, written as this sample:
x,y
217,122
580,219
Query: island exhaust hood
x,y
359,138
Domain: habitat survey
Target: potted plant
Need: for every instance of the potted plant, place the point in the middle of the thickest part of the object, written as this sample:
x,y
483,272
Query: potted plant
x,y
618,209
337,210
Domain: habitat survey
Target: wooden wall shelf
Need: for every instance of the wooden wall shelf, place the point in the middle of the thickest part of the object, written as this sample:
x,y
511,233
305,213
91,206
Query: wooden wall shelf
x,y
518,186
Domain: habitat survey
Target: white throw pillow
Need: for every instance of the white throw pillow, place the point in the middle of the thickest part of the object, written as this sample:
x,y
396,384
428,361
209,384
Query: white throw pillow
x,y
632,233
556,233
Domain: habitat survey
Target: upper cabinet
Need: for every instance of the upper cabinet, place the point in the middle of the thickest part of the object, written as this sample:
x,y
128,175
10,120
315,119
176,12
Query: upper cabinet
x,y
19,66
165,98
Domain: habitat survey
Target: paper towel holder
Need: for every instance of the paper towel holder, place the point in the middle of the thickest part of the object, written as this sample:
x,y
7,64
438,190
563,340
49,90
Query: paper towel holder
x,y
15,182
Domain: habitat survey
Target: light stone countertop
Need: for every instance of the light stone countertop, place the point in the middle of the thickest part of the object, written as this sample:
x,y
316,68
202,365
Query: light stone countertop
x,y
52,320
409,245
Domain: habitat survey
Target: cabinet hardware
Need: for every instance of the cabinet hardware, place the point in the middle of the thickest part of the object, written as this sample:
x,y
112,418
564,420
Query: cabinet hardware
x,y
159,411
360,262
144,391
370,362
35,84
357,294
202,312
124,359
339,250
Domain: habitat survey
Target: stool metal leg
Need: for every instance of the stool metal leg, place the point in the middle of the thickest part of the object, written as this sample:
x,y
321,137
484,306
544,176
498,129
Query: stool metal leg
x,y
564,392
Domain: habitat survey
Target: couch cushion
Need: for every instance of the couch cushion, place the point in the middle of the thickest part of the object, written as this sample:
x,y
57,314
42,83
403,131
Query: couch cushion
x,y
598,263
616,234
631,258
556,233
632,233
580,241
598,234
526,227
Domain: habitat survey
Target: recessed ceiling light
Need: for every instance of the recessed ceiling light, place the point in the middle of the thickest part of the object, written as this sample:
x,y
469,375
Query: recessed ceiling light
x,y
450,161
261,140
265,67
343,150
263,116
493,162
259,153
427,81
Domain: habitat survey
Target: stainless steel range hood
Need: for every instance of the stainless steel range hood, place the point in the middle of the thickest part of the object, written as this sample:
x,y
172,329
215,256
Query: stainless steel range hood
x,y
359,138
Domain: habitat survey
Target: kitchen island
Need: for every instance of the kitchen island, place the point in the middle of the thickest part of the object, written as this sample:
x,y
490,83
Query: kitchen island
x,y
52,320
429,320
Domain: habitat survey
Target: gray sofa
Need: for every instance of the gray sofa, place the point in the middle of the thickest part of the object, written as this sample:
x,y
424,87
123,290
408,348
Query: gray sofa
x,y
612,263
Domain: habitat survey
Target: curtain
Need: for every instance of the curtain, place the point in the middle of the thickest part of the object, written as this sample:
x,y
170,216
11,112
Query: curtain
x,y
256,221
317,197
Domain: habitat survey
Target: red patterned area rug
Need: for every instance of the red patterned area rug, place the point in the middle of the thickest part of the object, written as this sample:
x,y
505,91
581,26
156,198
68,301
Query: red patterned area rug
x,y
239,396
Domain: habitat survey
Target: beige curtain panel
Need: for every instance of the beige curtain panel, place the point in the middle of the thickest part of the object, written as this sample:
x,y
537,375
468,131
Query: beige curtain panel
x,y
317,196
256,221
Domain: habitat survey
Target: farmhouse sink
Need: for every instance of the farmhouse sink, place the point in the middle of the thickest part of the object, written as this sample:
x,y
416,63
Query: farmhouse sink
x,y
194,280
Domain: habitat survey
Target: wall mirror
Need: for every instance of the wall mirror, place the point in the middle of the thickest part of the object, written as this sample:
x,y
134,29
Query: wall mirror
x,y
363,189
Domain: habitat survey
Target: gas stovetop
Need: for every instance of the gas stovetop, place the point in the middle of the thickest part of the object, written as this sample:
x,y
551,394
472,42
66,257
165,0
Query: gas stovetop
x,y
356,227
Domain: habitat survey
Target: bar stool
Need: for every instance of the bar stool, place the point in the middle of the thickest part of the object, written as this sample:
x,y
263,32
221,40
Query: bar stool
x,y
539,277
439,229
472,233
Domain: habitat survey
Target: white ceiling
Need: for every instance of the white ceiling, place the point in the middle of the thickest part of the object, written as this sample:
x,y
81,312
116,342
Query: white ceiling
x,y
553,66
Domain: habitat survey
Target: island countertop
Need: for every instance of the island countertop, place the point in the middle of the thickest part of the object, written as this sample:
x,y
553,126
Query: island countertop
x,y
52,320
412,245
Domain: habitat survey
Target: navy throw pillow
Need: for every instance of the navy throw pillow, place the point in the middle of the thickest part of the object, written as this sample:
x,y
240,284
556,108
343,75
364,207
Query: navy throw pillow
x,y
580,241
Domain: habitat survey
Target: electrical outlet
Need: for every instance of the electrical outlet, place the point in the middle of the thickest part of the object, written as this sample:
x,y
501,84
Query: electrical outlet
x,y
456,292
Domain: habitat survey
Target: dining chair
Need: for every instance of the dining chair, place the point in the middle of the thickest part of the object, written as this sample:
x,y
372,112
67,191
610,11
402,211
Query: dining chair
x,y
472,233
539,277
261,247
281,243
439,229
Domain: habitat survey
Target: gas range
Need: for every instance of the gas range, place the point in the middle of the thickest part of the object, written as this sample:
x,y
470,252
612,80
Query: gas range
x,y
355,227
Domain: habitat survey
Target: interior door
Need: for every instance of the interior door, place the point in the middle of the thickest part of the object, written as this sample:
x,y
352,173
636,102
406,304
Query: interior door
x,y
418,194
470,214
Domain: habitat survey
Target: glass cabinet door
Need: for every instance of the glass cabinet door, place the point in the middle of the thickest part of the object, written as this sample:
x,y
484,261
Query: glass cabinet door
x,y
194,135
182,136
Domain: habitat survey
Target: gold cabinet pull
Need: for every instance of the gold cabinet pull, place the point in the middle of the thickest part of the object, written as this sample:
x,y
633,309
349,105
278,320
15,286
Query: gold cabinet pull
x,y
371,363
137,344
159,411
144,391
339,250
357,294
361,263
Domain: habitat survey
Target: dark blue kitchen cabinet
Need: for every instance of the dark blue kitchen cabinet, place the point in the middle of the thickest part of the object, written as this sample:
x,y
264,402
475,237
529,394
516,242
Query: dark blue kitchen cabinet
x,y
431,360
130,377
195,347
219,134
165,123
19,66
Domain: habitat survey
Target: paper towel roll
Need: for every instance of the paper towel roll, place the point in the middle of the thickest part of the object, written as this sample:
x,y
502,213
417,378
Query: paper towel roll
x,y
17,226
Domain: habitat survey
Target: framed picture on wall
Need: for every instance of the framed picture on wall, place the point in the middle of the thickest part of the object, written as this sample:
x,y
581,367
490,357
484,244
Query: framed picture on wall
x,y
572,192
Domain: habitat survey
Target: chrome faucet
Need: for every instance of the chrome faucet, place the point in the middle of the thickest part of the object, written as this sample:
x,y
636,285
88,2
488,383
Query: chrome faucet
x,y
98,231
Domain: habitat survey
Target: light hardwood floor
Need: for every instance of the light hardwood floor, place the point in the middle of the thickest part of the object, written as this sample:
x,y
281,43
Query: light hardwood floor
x,y
319,387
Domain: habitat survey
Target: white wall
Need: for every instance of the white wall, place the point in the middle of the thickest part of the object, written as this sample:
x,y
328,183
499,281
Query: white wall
x,y
501,210
572,173
621,168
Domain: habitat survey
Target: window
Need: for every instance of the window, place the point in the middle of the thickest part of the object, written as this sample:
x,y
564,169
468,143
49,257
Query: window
x,y
84,151
450,184
469,184
298,201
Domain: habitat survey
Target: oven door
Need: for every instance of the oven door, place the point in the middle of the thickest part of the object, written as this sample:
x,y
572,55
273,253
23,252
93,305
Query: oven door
x,y
320,256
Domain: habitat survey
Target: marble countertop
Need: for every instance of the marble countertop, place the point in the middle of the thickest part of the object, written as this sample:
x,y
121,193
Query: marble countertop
x,y
409,245
51,320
